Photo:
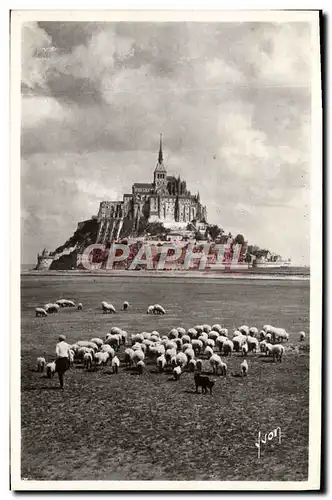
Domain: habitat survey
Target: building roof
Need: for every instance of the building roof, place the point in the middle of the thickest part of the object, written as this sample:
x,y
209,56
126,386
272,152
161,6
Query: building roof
x,y
143,185
128,195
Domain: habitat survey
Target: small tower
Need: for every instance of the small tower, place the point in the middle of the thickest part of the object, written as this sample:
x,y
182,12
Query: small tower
x,y
160,173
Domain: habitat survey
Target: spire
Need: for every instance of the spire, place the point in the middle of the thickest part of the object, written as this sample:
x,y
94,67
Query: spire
x,y
160,156
198,197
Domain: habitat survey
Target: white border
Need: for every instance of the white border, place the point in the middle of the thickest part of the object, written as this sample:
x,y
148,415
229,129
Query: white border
x,y
312,17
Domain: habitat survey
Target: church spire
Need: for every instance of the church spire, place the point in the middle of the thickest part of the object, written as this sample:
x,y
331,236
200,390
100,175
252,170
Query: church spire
x,y
160,156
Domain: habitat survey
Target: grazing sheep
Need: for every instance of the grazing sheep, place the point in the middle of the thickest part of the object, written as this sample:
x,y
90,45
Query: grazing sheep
x,y
170,353
253,331
160,349
101,358
206,328
91,345
41,362
244,368
252,344
114,341
173,362
262,346
79,306
178,343
208,352
262,335
79,354
138,356
211,343
199,365
220,342
181,359
71,356
213,334
50,369
173,334
170,345
224,332
193,333
181,331
216,327
115,364
244,329
268,337
244,349
199,329
186,339
197,345
40,311
215,362
302,336
150,310
192,365
51,308
228,348
139,337
177,372
158,309
238,341
87,360
223,368
277,351
140,366
190,353
109,349
268,348
161,362
123,337
125,305
129,355
65,303
108,308
204,382
97,341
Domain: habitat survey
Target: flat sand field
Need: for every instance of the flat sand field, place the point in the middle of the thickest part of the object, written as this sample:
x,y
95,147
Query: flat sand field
x,y
150,427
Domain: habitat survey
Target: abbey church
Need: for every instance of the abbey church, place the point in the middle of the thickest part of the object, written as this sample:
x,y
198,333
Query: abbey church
x,y
165,200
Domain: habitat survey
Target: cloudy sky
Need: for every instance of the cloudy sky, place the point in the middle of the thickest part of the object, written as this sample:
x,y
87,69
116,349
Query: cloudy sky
x,y
232,101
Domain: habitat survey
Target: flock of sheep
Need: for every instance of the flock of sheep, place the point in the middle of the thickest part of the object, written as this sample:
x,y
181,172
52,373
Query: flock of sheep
x,y
180,350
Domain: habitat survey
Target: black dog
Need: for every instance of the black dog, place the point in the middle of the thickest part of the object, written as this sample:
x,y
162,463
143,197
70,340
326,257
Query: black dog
x,y
204,382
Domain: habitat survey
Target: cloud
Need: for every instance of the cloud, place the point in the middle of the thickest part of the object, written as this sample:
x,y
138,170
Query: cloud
x,y
232,102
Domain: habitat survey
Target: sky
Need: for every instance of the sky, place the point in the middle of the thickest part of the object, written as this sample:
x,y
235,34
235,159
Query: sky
x,y
232,101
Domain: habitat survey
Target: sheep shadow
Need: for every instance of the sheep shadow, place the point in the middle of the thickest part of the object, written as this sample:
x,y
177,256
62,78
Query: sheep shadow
x,y
236,375
268,360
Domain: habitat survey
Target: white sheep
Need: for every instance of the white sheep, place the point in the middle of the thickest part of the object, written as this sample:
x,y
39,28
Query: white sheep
x,y
108,308
208,352
228,348
279,334
238,341
253,331
244,349
197,345
87,360
91,345
277,351
41,362
211,343
213,334
192,365
109,349
146,335
79,306
224,332
50,369
161,362
215,361
302,336
150,310
190,353
129,355
181,331
178,343
262,335
199,329
140,366
169,354
220,342
115,364
186,346
177,372
268,348
206,328
40,311
181,359
114,341
268,337
170,345
262,346
252,343
216,327
51,308
97,341
193,333
244,368
138,337
125,305
186,339
101,358
244,329
124,336
173,334
223,368
158,309
138,356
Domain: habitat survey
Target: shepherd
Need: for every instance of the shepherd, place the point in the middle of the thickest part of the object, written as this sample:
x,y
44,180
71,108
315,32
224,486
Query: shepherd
x,y
62,358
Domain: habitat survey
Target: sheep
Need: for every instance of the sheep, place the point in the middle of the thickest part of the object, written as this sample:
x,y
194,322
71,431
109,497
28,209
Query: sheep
x,y
71,356
158,309
140,366
129,355
211,343
244,349
262,346
115,364
186,339
173,362
161,362
160,349
170,353
40,311
79,354
224,332
302,336
173,334
41,362
252,344
197,345
190,353
50,369
215,361
253,331
150,310
181,331
268,348
84,343
244,368
220,342
87,360
277,352
75,347
181,359
278,334
216,327
170,345
204,382
177,372
268,337
238,341
178,343
213,334
199,365
262,335
192,365
51,308
223,368
101,358
199,329
244,329
186,346
138,356
108,308
228,348
109,349
208,352
207,328
137,338
79,306
125,305
97,341
114,341
193,333
146,335
65,303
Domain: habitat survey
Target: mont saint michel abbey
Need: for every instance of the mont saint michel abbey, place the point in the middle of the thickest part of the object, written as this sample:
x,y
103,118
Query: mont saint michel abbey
x,y
166,199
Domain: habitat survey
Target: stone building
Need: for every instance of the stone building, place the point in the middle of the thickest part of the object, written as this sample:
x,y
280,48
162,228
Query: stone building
x,y
166,199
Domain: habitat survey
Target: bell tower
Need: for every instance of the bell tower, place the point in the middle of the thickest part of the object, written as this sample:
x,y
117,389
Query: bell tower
x,y
160,173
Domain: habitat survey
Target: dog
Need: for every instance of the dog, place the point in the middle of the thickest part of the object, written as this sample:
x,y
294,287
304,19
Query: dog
x,y
204,382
